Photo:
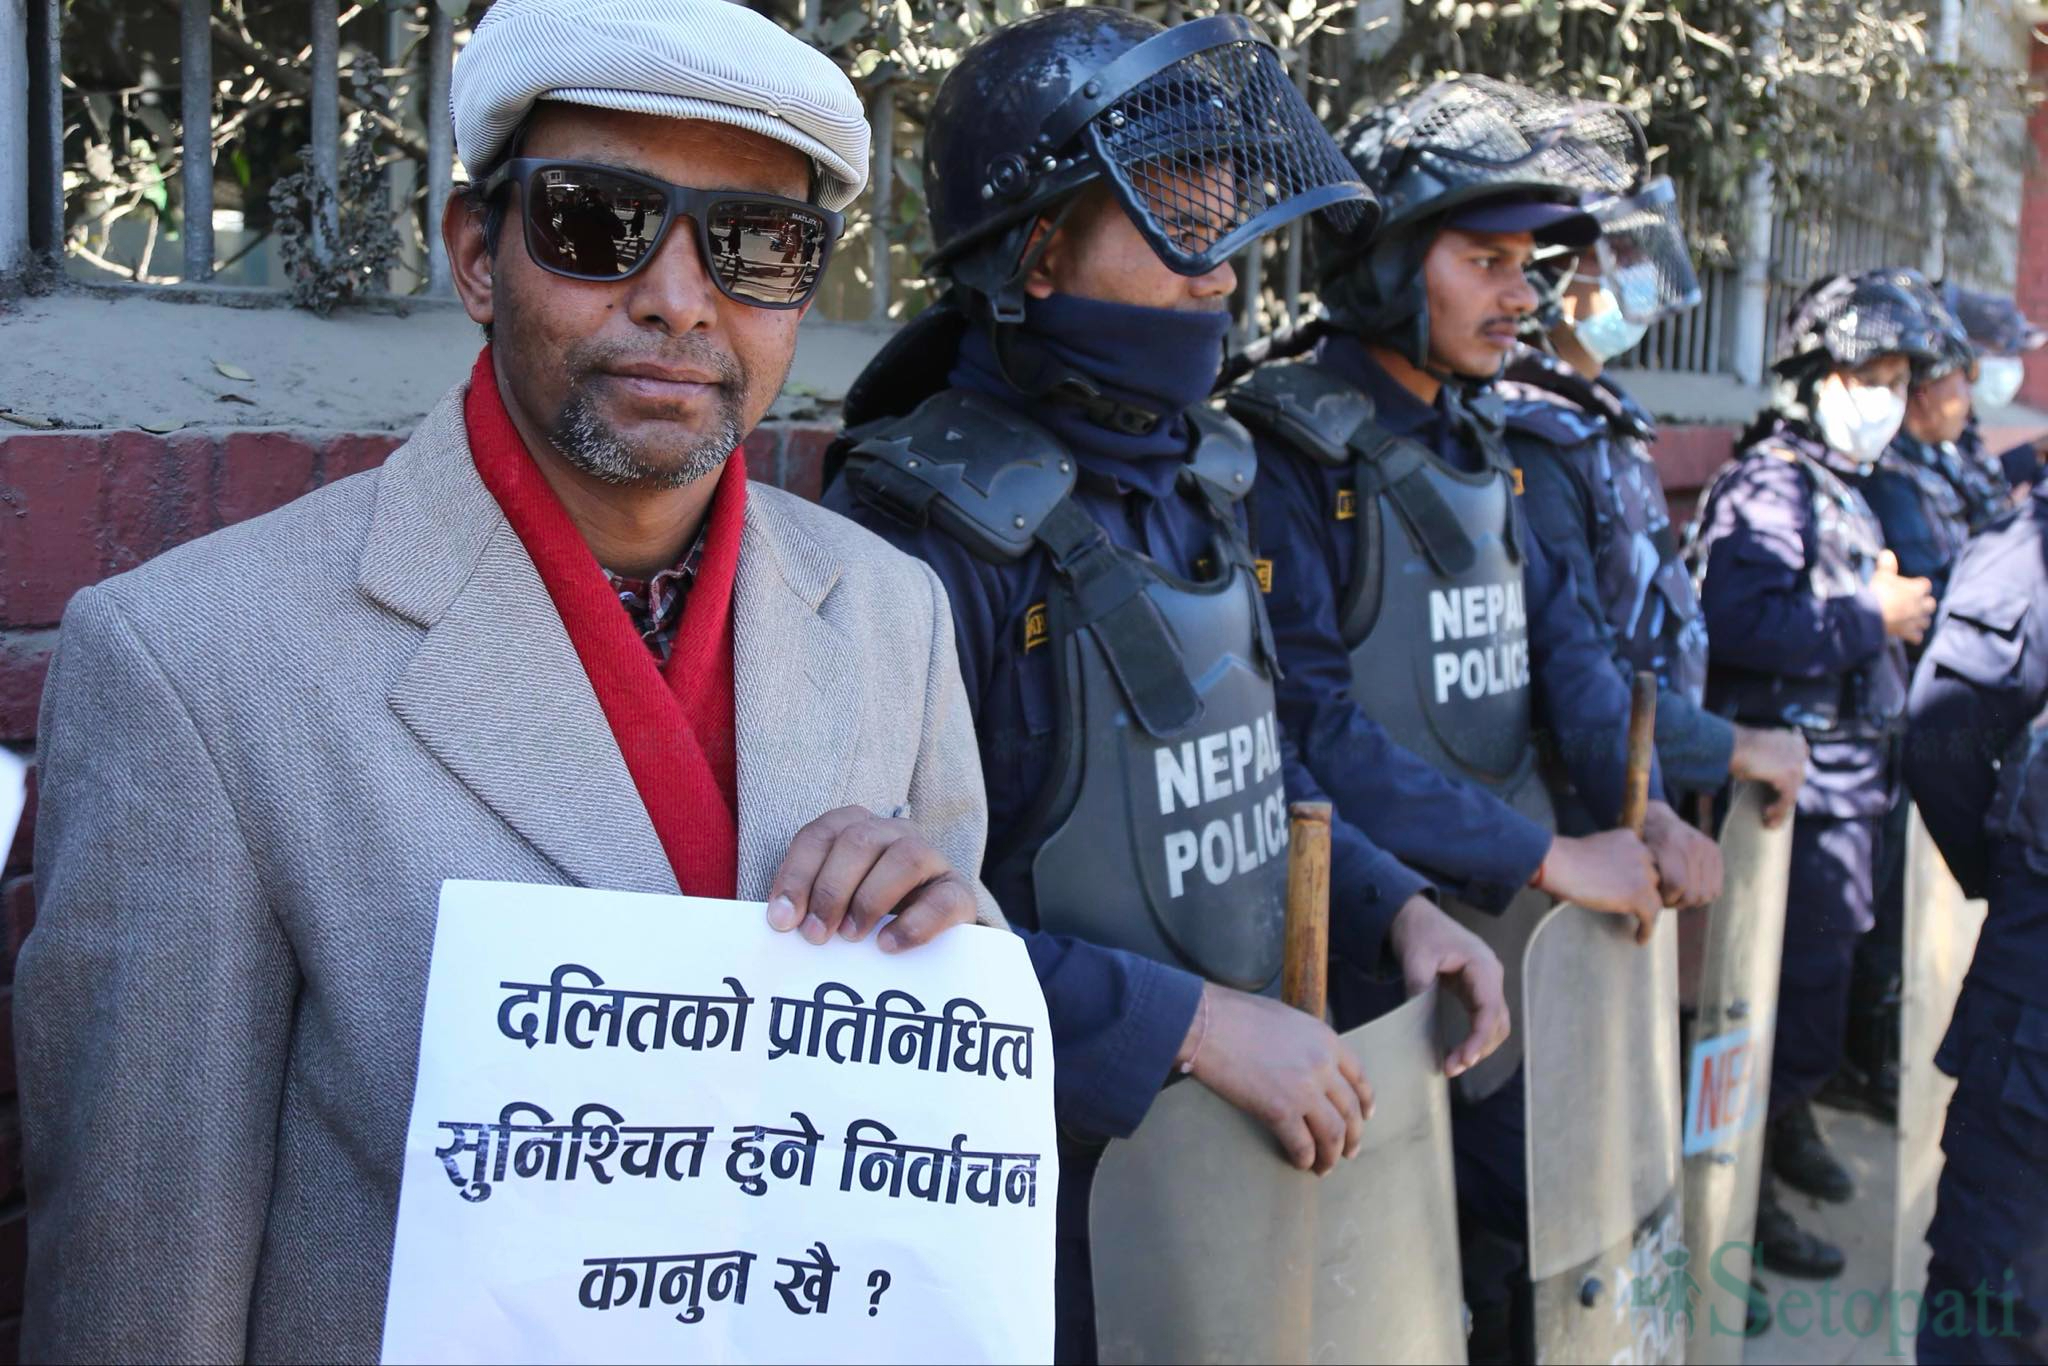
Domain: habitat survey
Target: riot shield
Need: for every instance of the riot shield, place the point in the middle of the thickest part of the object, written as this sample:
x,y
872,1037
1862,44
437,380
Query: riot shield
x,y
1727,1072
1507,934
1941,938
1209,1247
1601,1076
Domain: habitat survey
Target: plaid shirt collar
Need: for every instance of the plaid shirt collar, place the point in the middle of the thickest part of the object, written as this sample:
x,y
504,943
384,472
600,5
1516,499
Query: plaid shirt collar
x,y
656,605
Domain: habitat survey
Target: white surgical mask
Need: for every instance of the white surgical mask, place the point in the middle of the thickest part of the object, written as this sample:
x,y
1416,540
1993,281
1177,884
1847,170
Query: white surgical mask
x,y
1998,381
1623,307
1859,420
1604,330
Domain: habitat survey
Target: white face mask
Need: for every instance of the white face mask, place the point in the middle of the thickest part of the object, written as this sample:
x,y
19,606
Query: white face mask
x,y
1859,420
1998,381
1604,330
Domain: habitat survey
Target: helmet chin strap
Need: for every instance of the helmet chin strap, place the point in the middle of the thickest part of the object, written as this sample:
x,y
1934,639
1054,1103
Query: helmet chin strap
x,y
1032,369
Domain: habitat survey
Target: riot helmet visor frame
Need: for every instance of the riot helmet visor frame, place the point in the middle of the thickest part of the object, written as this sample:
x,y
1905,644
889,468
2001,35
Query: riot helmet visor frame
x,y
1206,143
1642,253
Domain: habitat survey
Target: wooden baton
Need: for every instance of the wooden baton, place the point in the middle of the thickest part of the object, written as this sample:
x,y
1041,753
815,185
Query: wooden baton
x,y
1642,749
1305,971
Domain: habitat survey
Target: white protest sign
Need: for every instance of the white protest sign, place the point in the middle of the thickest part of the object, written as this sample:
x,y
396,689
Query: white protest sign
x,y
13,796
651,1129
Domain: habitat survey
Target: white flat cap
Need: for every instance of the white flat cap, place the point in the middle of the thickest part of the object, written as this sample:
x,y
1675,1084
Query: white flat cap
x,y
684,59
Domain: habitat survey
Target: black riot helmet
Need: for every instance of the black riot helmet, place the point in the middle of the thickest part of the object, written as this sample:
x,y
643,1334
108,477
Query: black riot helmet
x,y
1467,148
1952,351
1197,128
1995,324
1840,322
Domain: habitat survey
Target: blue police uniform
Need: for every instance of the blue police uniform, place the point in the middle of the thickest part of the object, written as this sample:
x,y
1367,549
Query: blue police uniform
x,y
1977,766
1920,492
1117,1018
1593,497
1988,479
1483,849
1917,490
1795,638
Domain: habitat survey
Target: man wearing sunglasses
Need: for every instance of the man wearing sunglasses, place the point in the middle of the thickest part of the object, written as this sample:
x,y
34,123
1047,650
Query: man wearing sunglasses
x,y
557,638
1041,438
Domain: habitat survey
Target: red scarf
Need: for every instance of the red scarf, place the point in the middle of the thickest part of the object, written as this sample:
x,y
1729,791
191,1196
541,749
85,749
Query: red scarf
x,y
673,724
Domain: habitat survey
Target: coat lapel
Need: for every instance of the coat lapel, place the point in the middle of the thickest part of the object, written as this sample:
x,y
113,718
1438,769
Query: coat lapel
x,y
496,691
791,666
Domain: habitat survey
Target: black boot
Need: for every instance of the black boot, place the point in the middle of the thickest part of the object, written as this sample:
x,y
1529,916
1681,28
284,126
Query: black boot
x,y
1801,1157
1757,1316
1869,1079
1788,1249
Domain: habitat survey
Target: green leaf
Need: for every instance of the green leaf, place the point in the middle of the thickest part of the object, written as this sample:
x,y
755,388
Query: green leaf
x,y
840,28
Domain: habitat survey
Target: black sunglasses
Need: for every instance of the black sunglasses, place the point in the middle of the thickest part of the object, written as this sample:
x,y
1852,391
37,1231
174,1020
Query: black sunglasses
x,y
589,222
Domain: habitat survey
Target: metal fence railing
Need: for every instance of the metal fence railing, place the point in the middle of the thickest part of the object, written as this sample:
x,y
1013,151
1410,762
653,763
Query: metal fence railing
x,y
1874,214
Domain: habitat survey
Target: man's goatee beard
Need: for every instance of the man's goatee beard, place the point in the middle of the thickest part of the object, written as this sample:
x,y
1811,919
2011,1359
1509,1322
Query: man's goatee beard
x,y
586,442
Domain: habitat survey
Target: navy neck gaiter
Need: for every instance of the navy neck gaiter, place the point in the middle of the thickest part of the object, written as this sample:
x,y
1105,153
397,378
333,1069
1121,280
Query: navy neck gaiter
x,y
1161,359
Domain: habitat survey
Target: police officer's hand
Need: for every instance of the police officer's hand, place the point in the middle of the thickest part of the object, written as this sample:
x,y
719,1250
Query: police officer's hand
x,y
1775,758
1688,861
1611,871
1430,946
849,868
1908,604
1285,1069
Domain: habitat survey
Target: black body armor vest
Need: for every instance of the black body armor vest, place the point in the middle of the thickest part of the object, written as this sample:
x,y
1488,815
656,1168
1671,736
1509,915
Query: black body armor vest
x,y
1434,616
1162,826
1643,585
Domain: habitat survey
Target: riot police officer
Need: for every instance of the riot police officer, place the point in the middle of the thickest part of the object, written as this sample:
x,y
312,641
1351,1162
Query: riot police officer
x,y
1593,495
1807,619
1922,490
1406,586
1040,438
2002,336
1919,486
1977,766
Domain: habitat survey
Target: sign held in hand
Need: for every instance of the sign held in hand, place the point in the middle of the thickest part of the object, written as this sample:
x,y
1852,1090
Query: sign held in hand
x,y
649,1128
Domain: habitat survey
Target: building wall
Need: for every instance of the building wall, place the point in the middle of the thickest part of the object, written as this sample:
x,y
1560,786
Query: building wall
x,y
2031,282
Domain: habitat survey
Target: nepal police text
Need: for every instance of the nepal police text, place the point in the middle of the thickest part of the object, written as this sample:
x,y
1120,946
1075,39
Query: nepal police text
x,y
1242,762
1491,618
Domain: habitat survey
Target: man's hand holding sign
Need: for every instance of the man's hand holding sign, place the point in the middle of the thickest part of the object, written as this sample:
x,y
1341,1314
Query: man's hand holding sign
x,y
850,869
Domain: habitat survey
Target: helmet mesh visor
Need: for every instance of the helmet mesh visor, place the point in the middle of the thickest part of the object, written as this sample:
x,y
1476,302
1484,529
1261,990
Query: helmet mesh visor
x,y
1642,246
1854,320
1474,130
1217,149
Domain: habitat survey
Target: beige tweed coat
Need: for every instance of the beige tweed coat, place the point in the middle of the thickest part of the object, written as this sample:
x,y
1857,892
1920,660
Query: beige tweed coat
x,y
261,754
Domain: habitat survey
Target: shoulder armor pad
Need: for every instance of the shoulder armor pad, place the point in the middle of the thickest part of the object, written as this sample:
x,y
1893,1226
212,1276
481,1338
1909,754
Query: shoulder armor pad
x,y
979,471
1301,405
1224,459
1548,416
1627,411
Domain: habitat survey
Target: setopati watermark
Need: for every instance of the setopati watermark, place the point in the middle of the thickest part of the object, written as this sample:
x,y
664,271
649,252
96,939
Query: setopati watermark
x,y
1822,1310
